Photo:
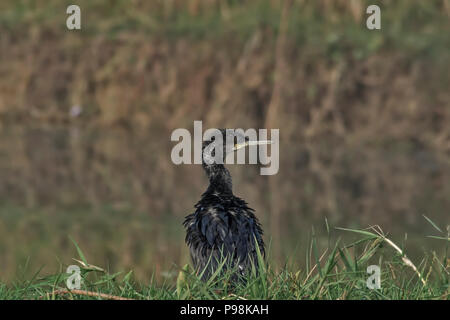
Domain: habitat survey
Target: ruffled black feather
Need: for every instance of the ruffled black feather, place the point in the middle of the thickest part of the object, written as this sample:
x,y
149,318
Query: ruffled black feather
x,y
222,226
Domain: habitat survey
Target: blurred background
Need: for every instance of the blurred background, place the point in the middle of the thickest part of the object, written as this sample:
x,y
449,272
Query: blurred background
x,y
86,117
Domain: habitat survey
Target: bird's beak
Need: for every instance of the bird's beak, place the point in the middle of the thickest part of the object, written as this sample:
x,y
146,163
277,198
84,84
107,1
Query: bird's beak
x,y
251,143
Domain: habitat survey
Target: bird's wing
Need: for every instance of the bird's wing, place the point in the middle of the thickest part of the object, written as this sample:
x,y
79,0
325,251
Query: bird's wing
x,y
214,225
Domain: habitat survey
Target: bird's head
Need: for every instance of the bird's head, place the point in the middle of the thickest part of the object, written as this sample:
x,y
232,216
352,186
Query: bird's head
x,y
219,143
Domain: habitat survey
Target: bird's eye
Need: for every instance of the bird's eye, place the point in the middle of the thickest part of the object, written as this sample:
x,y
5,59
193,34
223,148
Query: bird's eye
x,y
213,138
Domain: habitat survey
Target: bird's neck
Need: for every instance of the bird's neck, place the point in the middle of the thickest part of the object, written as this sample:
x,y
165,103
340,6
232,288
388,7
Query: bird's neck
x,y
219,179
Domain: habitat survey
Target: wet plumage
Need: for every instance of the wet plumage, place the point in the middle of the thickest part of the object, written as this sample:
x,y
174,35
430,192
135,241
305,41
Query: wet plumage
x,y
222,225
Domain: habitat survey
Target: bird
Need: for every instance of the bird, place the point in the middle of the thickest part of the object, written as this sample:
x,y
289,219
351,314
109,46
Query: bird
x,y
223,226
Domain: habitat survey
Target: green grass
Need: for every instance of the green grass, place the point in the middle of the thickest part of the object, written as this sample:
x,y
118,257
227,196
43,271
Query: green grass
x,y
338,272
414,26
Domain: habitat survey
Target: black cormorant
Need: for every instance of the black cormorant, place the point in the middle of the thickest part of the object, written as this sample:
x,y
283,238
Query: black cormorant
x,y
222,224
